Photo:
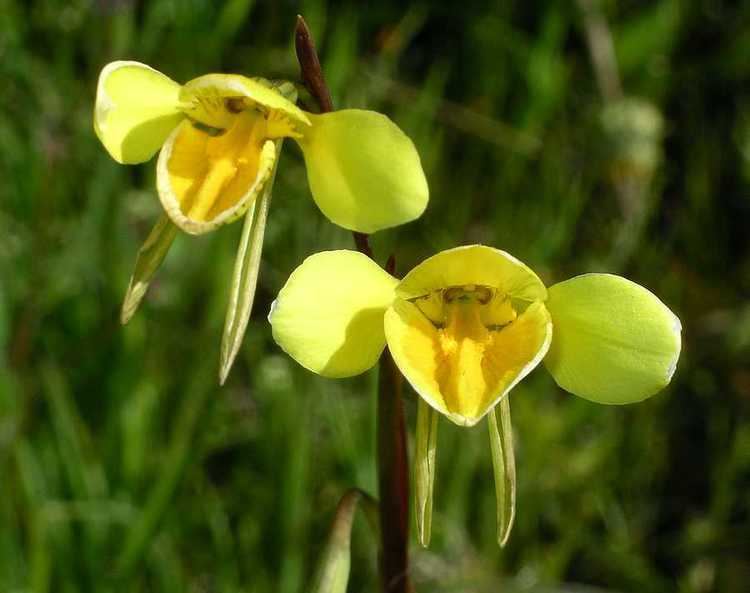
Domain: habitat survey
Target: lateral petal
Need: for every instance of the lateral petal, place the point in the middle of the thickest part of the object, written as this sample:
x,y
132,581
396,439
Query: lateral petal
x,y
329,315
364,172
614,342
136,109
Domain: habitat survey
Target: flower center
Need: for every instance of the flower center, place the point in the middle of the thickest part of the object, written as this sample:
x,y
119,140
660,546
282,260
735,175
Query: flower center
x,y
215,113
215,160
467,320
491,308
210,171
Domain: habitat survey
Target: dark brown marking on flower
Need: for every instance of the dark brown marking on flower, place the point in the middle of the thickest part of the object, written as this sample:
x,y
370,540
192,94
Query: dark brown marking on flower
x,y
235,104
211,131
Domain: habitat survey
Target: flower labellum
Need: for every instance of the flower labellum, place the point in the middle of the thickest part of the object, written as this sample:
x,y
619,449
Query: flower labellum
x,y
466,326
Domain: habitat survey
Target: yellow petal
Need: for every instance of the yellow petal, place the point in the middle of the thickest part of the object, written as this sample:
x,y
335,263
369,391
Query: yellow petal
x,y
329,315
136,109
473,264
614,342
205,181
214,99
464,369
364,172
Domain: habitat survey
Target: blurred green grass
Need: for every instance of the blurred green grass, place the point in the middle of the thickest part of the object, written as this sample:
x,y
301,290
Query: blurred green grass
x,y
124,467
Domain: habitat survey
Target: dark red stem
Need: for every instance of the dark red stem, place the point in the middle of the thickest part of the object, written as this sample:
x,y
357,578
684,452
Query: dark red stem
x,y
393,479
309,64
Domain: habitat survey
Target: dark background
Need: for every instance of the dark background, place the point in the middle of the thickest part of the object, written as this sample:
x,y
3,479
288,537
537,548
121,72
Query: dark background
x,y
123,466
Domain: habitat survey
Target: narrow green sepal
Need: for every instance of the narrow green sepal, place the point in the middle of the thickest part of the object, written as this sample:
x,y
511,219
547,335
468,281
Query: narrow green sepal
x,y
150,256
424,468
504,467
332,575
245,276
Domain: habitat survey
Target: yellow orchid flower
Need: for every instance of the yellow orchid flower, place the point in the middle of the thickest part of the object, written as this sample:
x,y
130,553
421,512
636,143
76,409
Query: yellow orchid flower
x,y
216,134
464,327
219,138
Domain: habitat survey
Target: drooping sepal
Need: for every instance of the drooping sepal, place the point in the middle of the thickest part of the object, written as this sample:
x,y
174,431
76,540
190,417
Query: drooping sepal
x,y
504,468
364,172
150,257
425,453
614,341
245,278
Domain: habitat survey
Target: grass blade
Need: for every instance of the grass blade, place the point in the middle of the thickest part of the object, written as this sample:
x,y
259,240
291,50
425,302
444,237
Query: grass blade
x,y
183,441
332,575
